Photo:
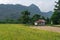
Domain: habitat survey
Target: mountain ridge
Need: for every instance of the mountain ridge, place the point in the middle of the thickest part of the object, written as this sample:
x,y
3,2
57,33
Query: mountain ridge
x,y
14,11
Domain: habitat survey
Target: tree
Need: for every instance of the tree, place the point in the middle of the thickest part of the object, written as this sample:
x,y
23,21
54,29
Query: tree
x,y
25,18
9,20
35,17
43,18
48,21
56,16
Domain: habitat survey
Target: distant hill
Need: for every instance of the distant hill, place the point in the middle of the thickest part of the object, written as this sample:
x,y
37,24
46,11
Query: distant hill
x,y
34,9
14,11
47,14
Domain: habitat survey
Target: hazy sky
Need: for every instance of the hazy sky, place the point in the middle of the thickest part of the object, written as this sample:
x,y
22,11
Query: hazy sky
x,y
44,5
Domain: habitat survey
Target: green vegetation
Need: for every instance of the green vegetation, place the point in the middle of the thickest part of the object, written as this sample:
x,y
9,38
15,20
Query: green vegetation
x,y
35,17
56,16
25,17
48,21
21,32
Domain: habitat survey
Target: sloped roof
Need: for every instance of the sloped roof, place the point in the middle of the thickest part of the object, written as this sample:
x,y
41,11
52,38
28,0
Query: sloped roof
x,y
40,20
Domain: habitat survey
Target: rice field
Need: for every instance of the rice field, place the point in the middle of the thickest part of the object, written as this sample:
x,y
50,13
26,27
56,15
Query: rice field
x,y
22,32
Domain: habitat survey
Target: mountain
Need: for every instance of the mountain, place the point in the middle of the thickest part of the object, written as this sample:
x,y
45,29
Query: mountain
x,y
11,11
47,14
14,11
34,9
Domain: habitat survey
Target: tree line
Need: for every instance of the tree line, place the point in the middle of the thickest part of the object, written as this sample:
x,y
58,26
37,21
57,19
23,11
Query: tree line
x,y
25,18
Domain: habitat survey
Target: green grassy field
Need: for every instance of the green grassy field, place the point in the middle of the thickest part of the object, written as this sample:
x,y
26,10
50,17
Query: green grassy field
x,y
21,32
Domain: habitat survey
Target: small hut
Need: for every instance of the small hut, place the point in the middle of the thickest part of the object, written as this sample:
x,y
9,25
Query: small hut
x,y
40,22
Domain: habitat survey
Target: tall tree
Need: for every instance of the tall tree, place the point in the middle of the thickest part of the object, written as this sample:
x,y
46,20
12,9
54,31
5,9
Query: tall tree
x,y
25,18
43,17
47,21
56,16
35,17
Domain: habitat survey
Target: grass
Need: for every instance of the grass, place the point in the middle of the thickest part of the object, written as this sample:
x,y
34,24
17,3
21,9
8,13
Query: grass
x,y
21,32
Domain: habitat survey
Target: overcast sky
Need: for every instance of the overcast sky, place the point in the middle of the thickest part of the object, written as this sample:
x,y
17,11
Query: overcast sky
x,y
44,5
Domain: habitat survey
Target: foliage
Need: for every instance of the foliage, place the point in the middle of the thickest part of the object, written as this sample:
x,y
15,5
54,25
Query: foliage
x,y
48,21
43,18
56,16
35,17
25,18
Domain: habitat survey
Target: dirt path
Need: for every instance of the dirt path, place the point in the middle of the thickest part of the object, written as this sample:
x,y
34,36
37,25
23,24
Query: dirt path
x,y
49,28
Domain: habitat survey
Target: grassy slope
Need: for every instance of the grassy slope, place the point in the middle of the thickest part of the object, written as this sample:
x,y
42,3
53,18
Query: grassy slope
x,y
20,32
